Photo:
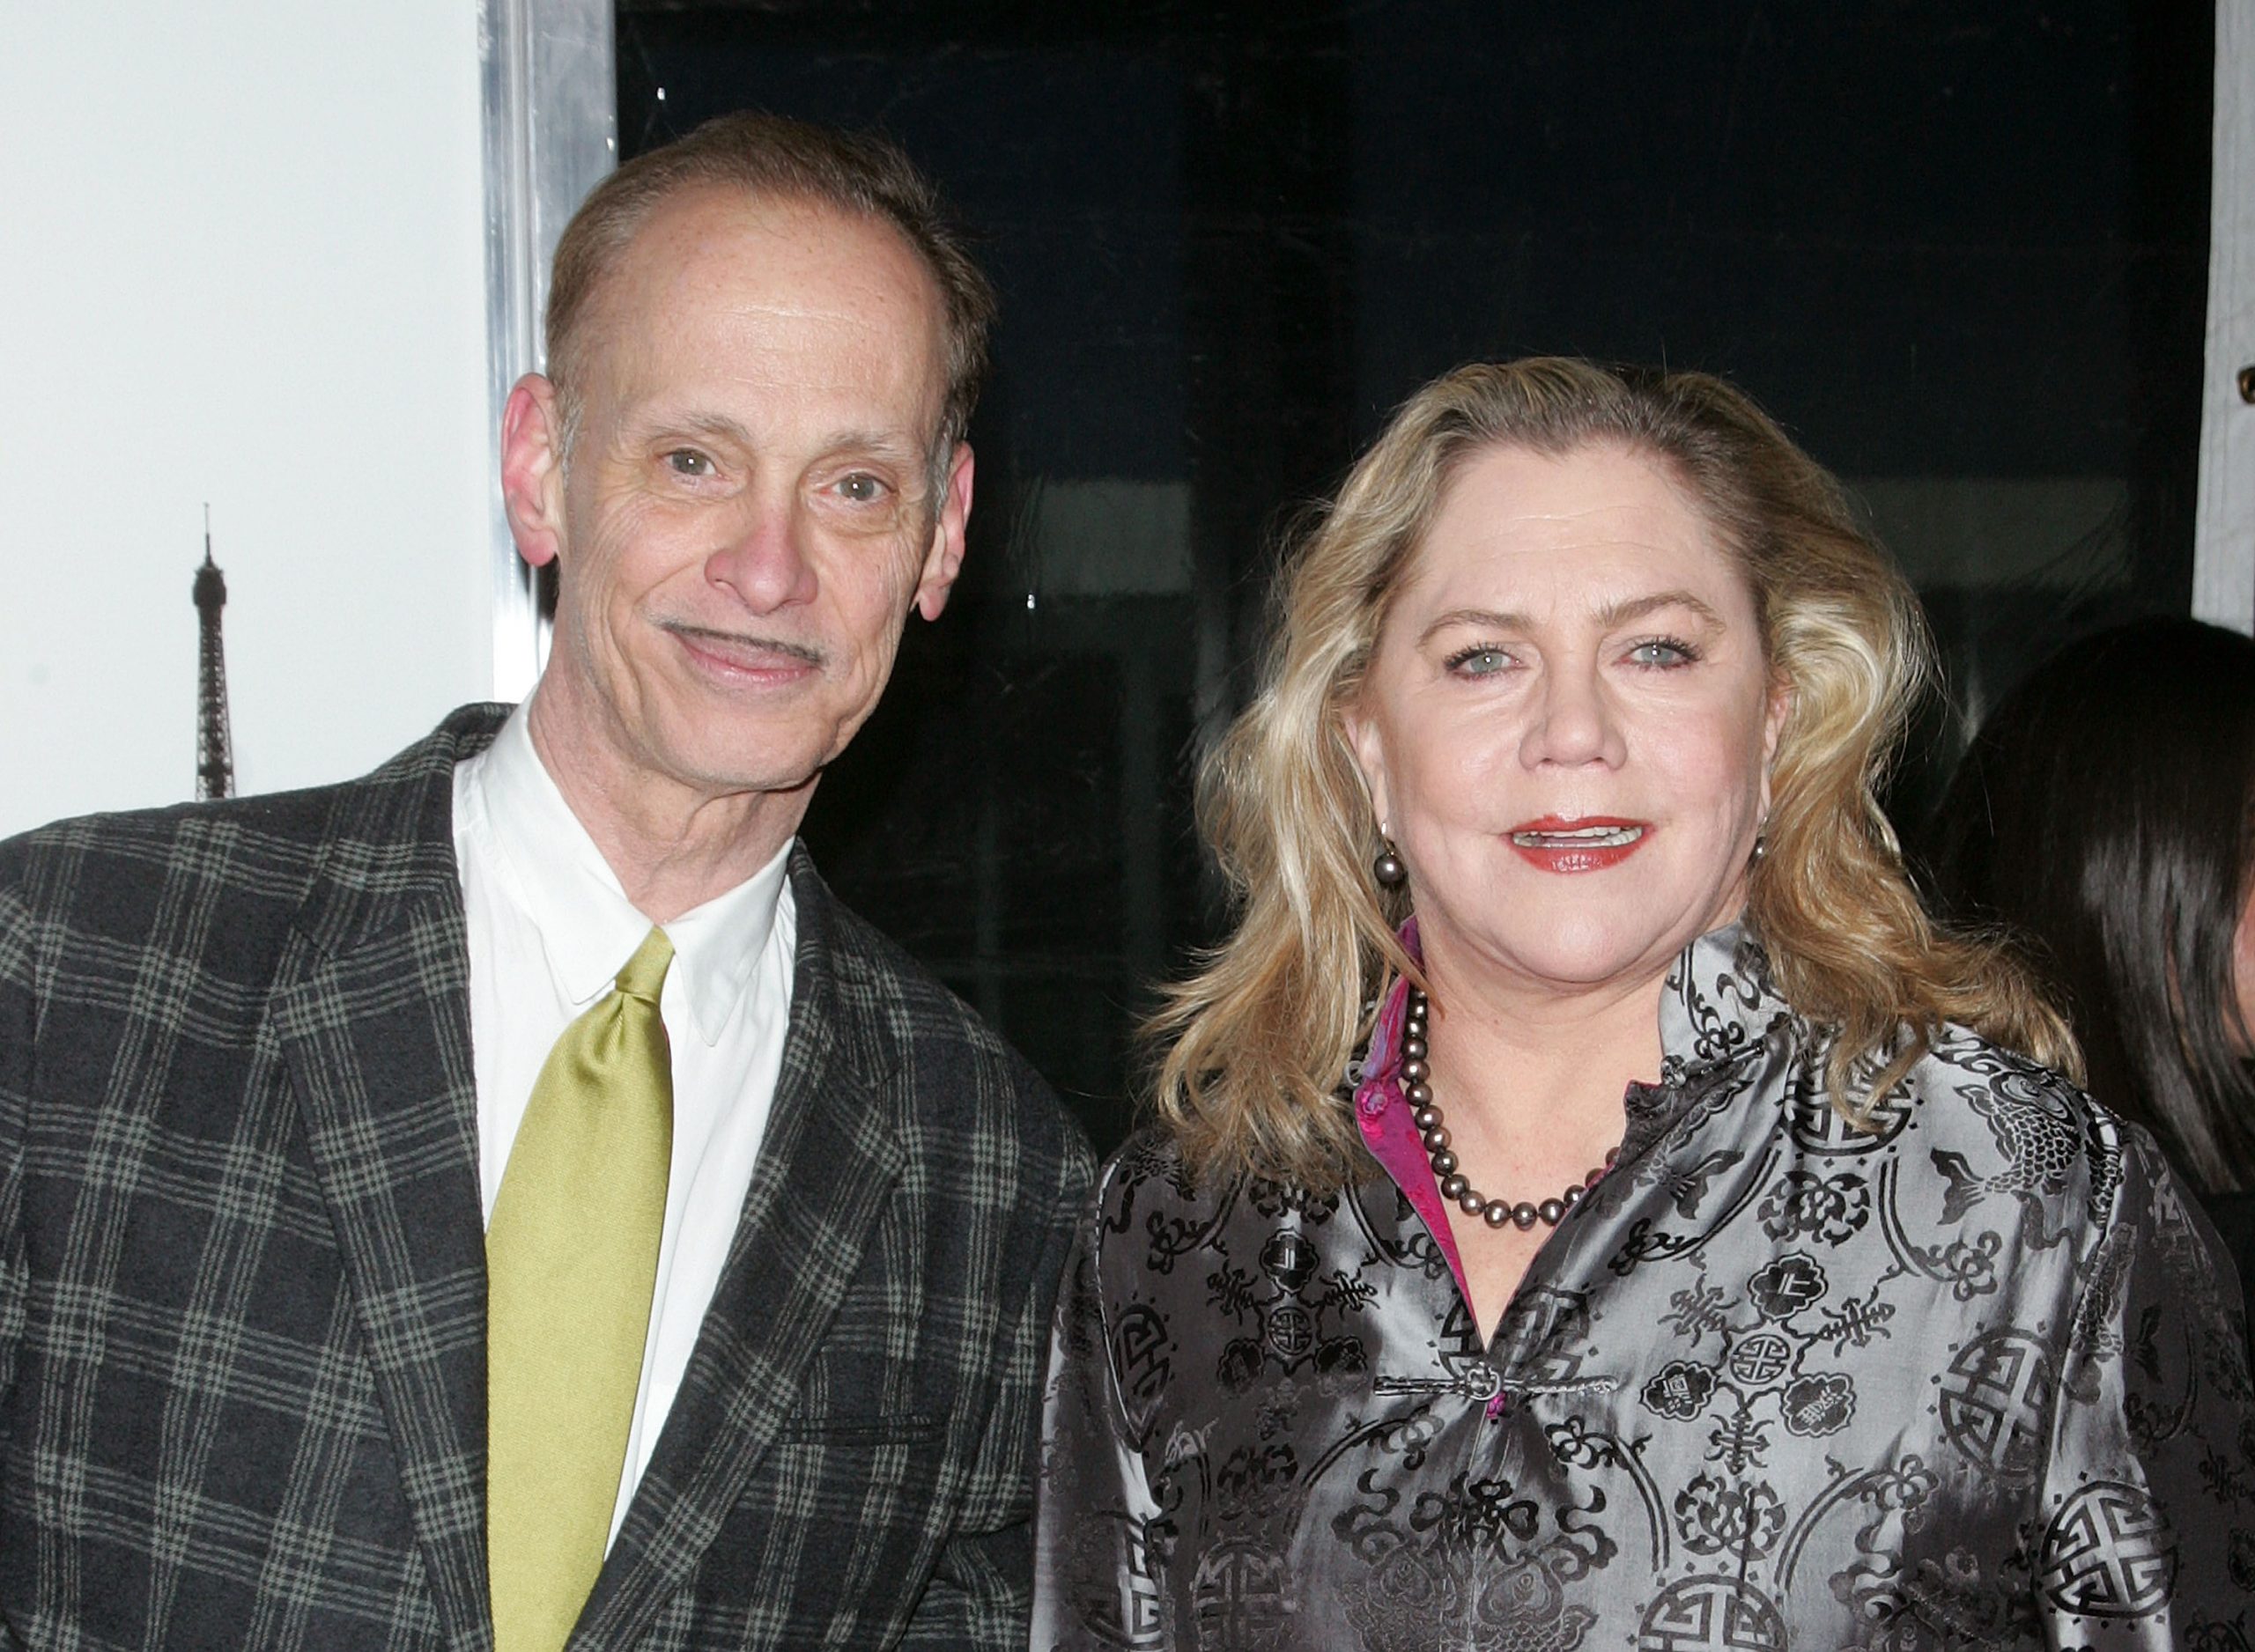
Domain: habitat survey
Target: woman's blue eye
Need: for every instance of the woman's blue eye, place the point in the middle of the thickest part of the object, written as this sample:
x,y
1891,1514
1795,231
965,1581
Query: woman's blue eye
x,y
1660,652
1480,662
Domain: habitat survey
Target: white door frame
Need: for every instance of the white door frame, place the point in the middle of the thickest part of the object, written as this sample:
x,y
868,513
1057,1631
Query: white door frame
x,y
551,134
2223,552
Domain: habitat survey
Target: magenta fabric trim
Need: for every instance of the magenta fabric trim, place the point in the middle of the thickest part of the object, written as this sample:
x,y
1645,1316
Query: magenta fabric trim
x,y
1389,1131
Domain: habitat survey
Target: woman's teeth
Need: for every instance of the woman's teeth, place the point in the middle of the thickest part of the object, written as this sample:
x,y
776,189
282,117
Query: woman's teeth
x,y
1580,837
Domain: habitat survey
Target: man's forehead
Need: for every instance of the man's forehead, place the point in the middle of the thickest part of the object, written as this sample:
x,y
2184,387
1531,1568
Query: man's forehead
x,y
720,276
782,256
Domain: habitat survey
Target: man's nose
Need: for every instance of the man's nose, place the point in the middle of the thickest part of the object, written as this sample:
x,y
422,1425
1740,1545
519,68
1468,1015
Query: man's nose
x,y
1573,722
763,557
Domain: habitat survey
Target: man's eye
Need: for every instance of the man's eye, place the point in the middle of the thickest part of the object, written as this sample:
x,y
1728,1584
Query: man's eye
x,y
860,487
687,462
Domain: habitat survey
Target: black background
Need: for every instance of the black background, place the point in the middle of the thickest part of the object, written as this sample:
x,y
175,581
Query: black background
x,y
1938,240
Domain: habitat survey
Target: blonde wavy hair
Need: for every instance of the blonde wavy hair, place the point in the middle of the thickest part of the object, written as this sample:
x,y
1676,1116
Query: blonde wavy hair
x,y
1252,1045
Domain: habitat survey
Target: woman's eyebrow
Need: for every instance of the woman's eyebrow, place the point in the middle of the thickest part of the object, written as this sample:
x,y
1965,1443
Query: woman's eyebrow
x,y
1619,612
1480,618
1634,607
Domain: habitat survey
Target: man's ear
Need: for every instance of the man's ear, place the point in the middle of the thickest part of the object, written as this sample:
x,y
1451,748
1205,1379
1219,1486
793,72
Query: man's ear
x,y
532,470
944,560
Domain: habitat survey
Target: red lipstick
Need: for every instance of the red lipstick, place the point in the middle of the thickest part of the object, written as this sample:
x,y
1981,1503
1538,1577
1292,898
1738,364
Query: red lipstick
x,y
1589,843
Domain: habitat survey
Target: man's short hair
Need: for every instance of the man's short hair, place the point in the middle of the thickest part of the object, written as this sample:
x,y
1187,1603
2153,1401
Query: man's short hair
x,y
777,157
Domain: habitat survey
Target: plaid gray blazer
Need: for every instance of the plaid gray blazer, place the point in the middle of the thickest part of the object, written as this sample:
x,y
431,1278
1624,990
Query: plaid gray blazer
x,y
242,1286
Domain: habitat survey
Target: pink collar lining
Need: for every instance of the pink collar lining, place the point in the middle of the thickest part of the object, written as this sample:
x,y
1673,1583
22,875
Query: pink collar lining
x,y
1389,1131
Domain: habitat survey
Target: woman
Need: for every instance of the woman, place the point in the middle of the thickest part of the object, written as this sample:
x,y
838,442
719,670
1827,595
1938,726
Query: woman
x,y
1558,794
2107,810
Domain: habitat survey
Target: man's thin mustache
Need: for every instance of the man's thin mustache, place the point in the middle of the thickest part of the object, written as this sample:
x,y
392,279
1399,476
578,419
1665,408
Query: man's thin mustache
x,y
796,650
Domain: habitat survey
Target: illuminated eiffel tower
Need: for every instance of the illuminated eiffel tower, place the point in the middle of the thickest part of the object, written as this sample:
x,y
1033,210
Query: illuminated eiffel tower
x,y
215,756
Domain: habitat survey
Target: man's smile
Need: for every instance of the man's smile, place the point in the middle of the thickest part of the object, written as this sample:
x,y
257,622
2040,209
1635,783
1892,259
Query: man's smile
x,y
738,657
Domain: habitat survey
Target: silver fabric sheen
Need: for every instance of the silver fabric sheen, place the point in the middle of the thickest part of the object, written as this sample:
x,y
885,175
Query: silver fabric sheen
x,y
1975,1376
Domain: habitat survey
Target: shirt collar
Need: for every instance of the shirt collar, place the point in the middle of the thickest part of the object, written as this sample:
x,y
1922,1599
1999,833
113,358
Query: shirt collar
x,y
587,927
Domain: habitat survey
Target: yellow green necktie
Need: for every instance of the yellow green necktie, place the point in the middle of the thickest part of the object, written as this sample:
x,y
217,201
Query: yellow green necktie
x,y
572,1259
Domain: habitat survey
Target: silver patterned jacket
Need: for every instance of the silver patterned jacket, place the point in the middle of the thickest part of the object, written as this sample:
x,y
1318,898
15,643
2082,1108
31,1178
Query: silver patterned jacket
x,y
1974,1376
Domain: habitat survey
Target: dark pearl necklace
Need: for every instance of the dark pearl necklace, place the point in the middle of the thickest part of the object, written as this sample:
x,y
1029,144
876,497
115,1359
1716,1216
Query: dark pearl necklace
x,y
1454,1182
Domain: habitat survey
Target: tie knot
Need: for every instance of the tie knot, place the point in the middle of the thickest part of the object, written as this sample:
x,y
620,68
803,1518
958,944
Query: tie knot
x,y
646,971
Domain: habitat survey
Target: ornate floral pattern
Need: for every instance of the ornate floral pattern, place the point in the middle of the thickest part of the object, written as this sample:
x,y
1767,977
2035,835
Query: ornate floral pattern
x,y
1967,1375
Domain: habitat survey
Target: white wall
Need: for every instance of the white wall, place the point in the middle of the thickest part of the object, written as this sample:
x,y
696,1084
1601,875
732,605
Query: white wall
x,y
2223,566
241,259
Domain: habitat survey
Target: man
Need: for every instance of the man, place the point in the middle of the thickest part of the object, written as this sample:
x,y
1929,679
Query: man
x,y
508,1192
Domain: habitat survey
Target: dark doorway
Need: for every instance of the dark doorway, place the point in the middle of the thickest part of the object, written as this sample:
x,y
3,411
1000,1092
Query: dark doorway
x,y
1961,252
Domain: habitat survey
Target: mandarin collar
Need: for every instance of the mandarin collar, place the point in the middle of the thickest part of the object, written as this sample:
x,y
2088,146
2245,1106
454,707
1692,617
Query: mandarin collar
x,y
1717,1003
587,927
1721,1001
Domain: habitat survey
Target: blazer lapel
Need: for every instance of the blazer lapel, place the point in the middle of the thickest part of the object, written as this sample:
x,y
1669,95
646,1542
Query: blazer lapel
x,y
827,1167
372,1010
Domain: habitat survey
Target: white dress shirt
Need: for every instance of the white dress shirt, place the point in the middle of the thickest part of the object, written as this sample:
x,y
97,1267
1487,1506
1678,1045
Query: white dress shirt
x,y
550,927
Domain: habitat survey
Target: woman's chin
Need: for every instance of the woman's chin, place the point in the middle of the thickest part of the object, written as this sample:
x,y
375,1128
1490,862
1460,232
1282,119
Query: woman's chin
x,y
1582,942
1577,959
1581,947
1580,968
